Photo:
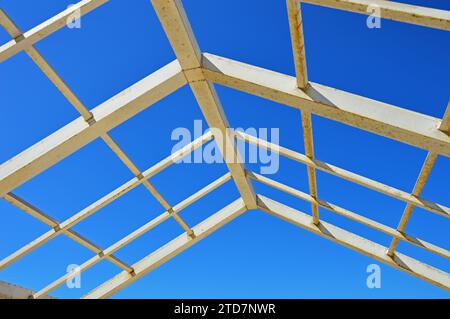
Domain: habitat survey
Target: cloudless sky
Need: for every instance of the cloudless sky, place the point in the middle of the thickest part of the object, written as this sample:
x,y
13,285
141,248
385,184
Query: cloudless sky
x,y
256,255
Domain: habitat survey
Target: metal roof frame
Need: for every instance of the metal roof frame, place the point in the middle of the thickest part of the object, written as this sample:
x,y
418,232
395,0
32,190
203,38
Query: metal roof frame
x,y
200,70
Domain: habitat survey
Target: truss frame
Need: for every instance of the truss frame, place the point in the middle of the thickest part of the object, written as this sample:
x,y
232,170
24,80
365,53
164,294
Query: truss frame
x,y
200,70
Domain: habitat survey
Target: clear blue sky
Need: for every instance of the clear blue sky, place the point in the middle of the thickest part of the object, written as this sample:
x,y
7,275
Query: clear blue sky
x,y
256,255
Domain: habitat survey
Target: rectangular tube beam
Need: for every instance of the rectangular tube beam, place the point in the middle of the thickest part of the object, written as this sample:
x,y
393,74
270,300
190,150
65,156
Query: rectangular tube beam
x,y
178,30
380,118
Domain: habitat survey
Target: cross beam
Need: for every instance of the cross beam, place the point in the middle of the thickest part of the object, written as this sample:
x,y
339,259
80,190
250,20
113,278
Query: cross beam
x,y
78,133
428,17
380,118
200,70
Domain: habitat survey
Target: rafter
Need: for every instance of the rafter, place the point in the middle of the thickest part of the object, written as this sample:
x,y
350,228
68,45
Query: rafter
x,y
298,42
78,133
392,10
46,28
381,118
178,30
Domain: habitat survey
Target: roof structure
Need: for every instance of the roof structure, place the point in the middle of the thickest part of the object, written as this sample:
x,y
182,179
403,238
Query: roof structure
x,y
200,70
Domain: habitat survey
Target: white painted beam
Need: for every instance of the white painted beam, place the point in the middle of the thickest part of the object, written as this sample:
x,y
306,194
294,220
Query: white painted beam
x,y
168,251
364,246
78,133
392,10
87,115
178,30
380,118
46,28
298,42
298,49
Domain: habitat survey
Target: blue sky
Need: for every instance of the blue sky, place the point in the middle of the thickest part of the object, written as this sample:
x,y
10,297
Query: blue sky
x,y
256,255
